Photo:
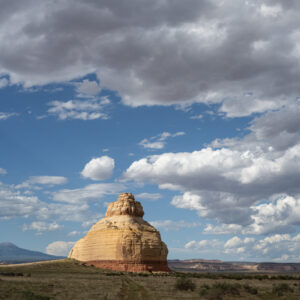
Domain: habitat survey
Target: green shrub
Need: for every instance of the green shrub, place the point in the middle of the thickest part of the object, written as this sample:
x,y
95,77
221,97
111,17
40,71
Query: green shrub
x,y
204,290
28,295
251,290
282,289
215,295
11,274
227,288
185,284
217,290
114,273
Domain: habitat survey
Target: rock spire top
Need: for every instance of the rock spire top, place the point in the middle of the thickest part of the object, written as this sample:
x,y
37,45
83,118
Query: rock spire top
x,y
125,205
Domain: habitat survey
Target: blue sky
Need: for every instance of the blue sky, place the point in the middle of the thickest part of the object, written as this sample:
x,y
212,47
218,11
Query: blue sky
x,y
193,107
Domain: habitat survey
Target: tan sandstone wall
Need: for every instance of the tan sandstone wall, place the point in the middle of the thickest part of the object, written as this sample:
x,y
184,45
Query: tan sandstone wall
x,y
123,240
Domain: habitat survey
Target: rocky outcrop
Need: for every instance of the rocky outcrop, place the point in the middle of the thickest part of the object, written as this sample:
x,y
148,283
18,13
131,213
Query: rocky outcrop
x,y
123,240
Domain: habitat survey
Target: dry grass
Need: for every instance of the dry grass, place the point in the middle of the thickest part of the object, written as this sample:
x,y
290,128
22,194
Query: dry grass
x,y
68,279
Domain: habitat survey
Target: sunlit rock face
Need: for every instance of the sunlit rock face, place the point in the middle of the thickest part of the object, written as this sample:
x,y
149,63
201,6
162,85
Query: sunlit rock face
x,y
123,240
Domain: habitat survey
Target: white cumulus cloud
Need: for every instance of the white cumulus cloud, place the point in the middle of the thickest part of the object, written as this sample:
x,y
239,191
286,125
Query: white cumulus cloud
x,y
16,204
159,141
6,115
59,248
74,233
237,180
99,168
3,171
88,193
219,47
35,181
3,83
173,225
47,180
148,196
88,109
88,88
277,247
40,226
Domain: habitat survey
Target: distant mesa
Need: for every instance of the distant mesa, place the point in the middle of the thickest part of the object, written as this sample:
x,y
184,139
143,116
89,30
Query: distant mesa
x,y
203,265
11,254
123,240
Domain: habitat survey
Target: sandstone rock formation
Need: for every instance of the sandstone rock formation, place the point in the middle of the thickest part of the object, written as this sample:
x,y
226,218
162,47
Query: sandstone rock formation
x,y
123,240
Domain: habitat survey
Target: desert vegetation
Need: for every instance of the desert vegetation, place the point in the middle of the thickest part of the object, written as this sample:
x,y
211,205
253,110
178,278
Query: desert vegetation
x,y
69,279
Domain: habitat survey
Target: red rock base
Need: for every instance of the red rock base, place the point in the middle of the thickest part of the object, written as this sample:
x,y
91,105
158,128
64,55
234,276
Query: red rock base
x,y
130,266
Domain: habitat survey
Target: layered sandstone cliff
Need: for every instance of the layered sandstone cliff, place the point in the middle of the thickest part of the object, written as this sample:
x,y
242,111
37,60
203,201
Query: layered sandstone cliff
x,y
123,240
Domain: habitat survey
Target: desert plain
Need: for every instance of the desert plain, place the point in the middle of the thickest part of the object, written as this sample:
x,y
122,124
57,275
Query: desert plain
x,y
71,279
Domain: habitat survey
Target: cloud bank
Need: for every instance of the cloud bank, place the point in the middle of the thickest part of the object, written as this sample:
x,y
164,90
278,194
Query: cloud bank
x,y
278,247
158,52
250,181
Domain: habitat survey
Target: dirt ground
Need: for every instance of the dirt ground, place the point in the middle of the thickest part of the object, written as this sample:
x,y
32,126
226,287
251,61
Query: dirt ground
x,y
68,279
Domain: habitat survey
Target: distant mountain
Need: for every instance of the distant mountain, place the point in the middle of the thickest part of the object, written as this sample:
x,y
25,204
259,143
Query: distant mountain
x,y
202,265
10,253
